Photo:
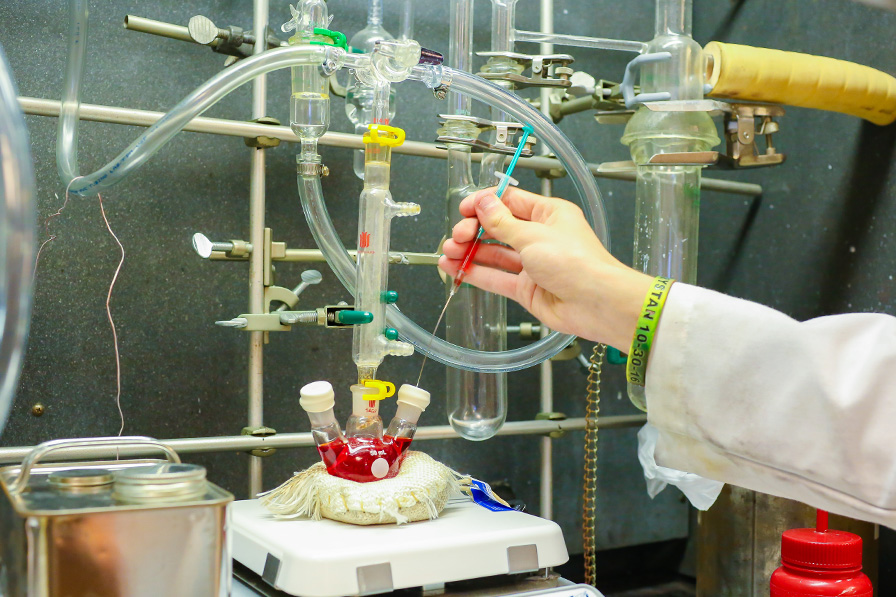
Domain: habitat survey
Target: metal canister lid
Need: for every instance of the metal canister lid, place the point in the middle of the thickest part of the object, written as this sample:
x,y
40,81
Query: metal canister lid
x,y
160,482
80,478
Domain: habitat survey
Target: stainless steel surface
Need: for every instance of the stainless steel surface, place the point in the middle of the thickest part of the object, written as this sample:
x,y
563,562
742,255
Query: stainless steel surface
x,y
160,482
241,443
60,542
235,128
81,478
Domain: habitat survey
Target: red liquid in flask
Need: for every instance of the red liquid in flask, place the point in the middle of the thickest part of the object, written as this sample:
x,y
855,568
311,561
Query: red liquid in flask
x,y
360,459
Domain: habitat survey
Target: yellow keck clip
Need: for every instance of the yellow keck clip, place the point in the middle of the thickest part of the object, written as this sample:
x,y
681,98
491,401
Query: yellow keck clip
x,y
386,389
393,136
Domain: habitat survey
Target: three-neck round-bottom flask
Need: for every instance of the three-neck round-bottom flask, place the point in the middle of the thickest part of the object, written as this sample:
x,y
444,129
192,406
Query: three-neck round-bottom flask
x,y
364,454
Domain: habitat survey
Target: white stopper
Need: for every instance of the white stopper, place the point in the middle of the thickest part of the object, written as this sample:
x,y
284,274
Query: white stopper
x,y
317,397
413,396
379,468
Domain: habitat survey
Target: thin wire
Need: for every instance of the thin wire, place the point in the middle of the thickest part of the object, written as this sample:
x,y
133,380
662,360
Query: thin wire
x,y
51,237
111,321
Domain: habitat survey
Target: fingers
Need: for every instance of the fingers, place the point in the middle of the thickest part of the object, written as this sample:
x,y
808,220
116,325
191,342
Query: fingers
x,y
486,278
501,224
491,255
522,204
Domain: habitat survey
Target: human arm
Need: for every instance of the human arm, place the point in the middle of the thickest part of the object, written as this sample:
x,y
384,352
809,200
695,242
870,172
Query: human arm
x,y
739,392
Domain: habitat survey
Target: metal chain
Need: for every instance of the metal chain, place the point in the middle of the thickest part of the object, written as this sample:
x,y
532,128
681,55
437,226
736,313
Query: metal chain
x,y
589,491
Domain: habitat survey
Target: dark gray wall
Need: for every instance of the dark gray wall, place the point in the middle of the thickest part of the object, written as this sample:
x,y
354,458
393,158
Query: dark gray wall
x,y
816,243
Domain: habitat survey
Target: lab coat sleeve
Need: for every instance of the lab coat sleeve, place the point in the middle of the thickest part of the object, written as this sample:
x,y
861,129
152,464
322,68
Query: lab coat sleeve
x,y
743,394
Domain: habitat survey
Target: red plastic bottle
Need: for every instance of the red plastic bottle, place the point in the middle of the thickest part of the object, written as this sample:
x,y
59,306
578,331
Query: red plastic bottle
x,y
820,563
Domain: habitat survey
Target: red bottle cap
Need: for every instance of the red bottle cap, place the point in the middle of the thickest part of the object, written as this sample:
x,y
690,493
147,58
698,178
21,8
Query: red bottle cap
x,y
822,550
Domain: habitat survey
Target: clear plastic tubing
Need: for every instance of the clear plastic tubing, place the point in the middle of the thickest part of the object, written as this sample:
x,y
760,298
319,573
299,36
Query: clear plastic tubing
x,y
437,349
205,96
17,214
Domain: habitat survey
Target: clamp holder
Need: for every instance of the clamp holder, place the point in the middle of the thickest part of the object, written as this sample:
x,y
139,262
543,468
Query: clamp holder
x,y
740,136
539,64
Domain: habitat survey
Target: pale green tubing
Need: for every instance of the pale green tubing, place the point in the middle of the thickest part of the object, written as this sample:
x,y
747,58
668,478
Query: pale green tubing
x,y
220,85
17,223
331,246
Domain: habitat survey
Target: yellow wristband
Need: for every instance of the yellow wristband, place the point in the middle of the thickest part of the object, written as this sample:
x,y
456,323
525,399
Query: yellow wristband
x,y
636,366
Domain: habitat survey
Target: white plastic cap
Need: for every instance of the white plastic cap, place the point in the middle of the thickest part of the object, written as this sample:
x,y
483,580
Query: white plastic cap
x,y
317,397
413,396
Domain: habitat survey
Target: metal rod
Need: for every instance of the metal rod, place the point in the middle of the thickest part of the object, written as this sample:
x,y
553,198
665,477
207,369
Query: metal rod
x,y
235,128
546,369
157,28
256,260
283,441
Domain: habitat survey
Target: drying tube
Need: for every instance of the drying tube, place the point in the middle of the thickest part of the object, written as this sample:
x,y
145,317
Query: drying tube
x,y
17,191
205,96
667,207
359,95
376,210
331,246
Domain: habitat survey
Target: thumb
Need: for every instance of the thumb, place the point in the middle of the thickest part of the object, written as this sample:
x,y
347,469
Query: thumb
x,y
500,223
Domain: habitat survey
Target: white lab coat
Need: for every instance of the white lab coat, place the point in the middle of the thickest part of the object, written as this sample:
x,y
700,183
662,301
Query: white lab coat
x,y
743,394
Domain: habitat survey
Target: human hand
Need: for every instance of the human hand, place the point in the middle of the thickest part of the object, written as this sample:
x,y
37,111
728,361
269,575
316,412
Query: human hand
x,y
554,265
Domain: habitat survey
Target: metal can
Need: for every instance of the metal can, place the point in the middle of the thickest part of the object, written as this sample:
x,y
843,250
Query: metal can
x,y
136,528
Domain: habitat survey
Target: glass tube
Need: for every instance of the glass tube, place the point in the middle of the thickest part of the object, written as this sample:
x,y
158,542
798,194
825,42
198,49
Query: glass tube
x,y
460,51
376,210
667,211
359,99
476,402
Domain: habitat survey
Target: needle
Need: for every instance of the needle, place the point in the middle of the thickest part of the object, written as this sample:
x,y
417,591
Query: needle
x,y
468,258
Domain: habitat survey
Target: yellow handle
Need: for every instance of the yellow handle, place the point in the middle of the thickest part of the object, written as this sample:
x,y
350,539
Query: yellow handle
x,y
393,138
760,74
385,388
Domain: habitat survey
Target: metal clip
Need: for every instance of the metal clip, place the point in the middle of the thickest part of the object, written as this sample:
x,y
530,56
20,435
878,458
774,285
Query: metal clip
x,y
504,134
260,432
741,133
540,65
263,142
